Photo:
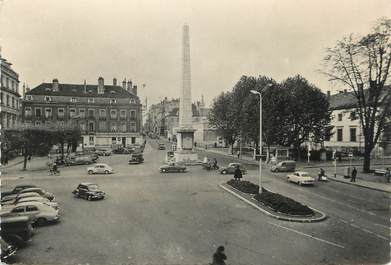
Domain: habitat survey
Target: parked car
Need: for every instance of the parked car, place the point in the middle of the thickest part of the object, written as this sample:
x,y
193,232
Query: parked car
x,y
37,199
39,212
79,160
100,169
173,167
103,152
230,169
40,191
123,150
284,166
16,230
8,199
301,178
380,172
136,158
162,146
7,250
89,191
16,189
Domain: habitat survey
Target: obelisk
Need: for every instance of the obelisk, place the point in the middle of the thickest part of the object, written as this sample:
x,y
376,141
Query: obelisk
x,y
185,132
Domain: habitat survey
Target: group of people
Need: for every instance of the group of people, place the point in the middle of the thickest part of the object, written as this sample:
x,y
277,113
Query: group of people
x,y
210,164
53,168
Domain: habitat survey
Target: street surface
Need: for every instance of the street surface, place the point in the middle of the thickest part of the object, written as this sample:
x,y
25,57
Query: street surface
x,y
181,218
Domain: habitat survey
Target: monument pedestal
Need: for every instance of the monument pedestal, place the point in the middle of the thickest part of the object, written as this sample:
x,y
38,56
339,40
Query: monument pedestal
x,y
185,142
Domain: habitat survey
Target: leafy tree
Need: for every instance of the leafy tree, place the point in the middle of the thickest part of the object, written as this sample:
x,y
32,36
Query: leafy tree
x,y
223,118
309,114
363,64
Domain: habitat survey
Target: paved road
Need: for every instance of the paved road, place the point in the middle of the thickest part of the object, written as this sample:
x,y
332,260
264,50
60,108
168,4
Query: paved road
x,y
153,218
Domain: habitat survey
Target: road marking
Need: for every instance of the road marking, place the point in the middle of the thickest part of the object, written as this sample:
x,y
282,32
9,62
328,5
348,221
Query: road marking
x,y
382,237
365,230
384,226
355,226
307,235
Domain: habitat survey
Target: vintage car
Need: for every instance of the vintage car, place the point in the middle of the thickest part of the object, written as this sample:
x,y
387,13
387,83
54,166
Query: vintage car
x,y
39,212
123,151
230,169
11,198
172,167
136,158
301,178
103,152
40,191
100,169
284,166
16,230
7,250
17,189
89,191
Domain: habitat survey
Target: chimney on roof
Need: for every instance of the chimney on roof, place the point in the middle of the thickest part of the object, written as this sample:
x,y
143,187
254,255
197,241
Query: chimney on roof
x,y
134,91
328,93
124,84
129,87
114,81
24,89
101,85
55,85
345,91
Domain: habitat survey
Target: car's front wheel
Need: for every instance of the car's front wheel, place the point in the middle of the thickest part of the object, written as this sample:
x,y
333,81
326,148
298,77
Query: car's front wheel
x,y
224,172
90,172
163,171
107,172
41,221
89,197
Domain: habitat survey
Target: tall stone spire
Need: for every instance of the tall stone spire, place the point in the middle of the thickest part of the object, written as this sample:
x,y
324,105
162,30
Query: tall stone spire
x,y
185,109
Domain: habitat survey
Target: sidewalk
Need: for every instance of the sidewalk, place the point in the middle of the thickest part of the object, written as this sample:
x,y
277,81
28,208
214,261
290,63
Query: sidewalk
x,y
15,166
363,180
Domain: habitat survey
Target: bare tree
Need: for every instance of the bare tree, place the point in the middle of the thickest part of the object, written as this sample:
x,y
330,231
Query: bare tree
x,y
363,64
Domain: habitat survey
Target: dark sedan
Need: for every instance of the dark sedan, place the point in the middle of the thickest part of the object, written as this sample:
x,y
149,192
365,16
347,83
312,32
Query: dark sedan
x,y
230,169
172,168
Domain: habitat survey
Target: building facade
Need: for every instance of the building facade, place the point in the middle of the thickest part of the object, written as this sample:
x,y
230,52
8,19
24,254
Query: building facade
x,y
107,115
10,97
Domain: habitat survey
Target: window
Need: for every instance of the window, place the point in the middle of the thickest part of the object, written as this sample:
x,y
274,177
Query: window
x,y
38,112
353,115
113,127
47,98
82,113
123,127
2,97
91,113
113,140
132,101
48,112
73,100
13,102
31,208
82,126
91,140
353,134
132,114
133,140
113,101
18,209
61,123
339,135
60,112
123,113
27,112
102,126
29,97
72,113
38,123
132,127
8,100
91,126
91,100
102,113
340,117
113,113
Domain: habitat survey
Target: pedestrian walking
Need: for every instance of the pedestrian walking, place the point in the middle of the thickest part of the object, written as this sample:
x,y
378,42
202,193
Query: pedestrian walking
x,y
238,154
238,173
354,174
219,256
6,160
388,175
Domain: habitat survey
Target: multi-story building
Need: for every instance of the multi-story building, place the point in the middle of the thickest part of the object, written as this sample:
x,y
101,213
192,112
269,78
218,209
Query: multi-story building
x,y
347,134
107,115
10,98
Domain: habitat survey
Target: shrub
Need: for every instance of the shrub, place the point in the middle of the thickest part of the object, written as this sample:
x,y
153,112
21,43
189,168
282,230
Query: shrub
x,y
283,204
244,186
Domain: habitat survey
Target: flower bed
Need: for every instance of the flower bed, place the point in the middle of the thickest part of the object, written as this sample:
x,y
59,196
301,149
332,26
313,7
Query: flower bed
x,y
283,204
244,186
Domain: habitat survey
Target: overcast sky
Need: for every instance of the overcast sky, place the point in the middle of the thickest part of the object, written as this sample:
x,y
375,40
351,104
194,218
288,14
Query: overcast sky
x,y
77,40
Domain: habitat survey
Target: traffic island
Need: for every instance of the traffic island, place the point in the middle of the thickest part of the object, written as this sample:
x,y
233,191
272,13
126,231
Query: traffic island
x,y
273,204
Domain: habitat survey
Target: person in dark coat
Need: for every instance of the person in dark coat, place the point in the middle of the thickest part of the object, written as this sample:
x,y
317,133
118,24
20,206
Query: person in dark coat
x,y
354,174
237,173
219,256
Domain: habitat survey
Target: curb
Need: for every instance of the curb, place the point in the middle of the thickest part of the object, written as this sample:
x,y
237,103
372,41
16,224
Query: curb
x,y
299,220
358,185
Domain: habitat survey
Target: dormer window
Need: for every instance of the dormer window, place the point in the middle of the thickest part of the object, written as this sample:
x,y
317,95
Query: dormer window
x,y
29,97
132,101
73,100
91,100
47,98
113,101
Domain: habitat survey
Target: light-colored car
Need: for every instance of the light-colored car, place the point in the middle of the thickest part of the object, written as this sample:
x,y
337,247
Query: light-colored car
x,y
301,178
40,191
103,152
8,199
39,212
38,199
173,167
100,169
284,166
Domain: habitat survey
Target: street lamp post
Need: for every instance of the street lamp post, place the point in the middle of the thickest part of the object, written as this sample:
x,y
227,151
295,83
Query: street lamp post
x,y
260,133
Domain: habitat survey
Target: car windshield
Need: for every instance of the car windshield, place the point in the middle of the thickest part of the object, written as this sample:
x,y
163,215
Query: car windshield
x,y
93,187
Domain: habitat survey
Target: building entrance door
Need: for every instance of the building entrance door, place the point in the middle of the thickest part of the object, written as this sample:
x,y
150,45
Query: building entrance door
x,y
124,141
